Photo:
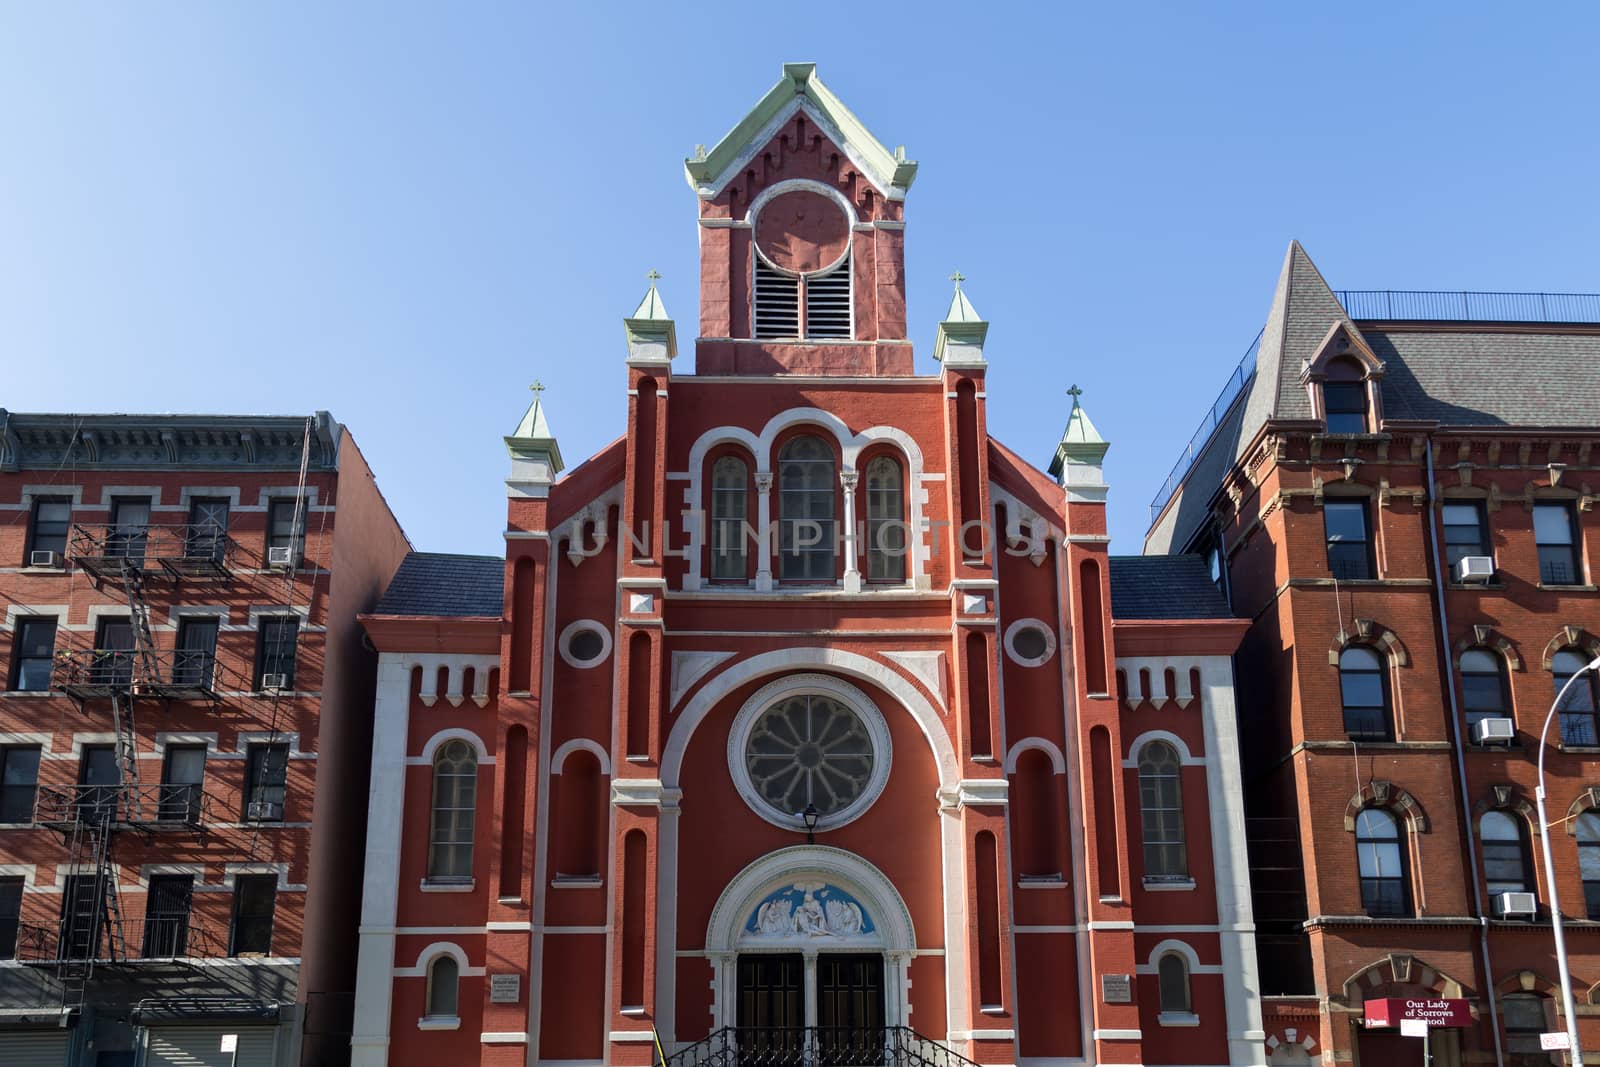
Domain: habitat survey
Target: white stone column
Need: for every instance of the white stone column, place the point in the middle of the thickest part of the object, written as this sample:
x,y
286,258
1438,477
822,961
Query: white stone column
x,y
1235,917
811,988
852,573
764,526
369,1045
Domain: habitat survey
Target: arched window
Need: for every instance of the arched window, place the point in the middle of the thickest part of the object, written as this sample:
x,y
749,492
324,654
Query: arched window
x,y
1365,694
806,532
886,526
1161,809
1381,860
1172,974
455,803
1483,686
1578,707
1344,397
444,981
1589,861
1505,853
730,511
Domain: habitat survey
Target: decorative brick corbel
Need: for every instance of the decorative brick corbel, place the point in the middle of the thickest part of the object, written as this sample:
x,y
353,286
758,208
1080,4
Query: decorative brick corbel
x,y
1524,452
1494,497
1494,453
1464,471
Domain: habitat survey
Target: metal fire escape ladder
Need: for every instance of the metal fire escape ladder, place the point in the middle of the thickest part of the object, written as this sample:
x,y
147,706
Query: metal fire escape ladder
x,y
89,919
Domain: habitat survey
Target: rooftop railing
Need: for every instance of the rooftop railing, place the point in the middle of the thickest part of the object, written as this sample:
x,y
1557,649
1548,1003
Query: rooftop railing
x,y
1403,304
1208,426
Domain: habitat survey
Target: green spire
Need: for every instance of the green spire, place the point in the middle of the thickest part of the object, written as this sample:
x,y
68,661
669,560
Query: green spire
x,y
535,455
963,331
1080,457
652,335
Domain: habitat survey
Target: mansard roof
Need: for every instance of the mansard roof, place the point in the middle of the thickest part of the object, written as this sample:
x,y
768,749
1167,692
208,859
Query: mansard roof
x,y
438,583
800,90
1524,375
1165,587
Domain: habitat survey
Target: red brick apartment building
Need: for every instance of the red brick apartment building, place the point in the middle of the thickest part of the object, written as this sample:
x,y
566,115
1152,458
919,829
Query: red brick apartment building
x,y
185,717
785,797
1397,492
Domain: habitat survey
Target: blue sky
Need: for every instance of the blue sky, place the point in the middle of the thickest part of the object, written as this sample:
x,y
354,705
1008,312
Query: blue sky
x,y
404,214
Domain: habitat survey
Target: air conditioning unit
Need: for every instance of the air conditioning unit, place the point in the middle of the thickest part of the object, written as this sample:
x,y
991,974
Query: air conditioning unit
x,y
281,557
1516,905
43,557
264,811
1494,731
272,682
1474,570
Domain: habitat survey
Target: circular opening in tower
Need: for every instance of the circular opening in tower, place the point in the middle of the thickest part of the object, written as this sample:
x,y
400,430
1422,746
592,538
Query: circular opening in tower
x,y
802,232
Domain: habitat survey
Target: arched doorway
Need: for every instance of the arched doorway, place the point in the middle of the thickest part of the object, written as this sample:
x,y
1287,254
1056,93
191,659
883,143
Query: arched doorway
x,y
810,947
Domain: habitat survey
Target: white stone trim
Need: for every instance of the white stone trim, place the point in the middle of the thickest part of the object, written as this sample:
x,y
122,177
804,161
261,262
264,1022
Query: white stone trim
x,y
806,684
426,957
895,934
577,626
502,1037
1157,666
26,871
1042,744
580,744
926,667
792,659
430,747
688,668
1185,758
1050,642
1191,958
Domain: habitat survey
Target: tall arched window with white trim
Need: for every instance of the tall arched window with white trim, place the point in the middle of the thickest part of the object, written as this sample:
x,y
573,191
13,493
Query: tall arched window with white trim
x,y
886,525
806,530
730,511
444,987
455,805
1161,812
1172,977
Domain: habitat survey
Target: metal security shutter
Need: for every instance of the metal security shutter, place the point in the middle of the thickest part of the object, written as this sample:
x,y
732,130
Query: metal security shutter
x,y
201,1046
34,1049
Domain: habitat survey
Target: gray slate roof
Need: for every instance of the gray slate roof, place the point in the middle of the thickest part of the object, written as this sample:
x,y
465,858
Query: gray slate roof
x,y
1164,587
1540,377
436,583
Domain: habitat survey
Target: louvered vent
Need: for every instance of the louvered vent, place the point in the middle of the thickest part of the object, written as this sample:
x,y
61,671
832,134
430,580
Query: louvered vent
x,y
777,303
828,303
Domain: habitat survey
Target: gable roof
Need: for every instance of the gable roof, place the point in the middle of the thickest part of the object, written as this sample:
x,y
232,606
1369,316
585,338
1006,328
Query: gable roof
x,y
1164,587
799,90
438,583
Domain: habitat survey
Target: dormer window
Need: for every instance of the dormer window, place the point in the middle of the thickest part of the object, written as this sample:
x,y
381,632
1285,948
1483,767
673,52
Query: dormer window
x,y
1344,398
802,270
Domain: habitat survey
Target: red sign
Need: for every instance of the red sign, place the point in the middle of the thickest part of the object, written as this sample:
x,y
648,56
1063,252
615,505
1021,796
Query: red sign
x,y
1435,1011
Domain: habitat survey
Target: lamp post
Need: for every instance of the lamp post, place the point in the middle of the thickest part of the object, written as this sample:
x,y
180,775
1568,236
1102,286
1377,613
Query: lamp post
x,y
811,814
1574,1053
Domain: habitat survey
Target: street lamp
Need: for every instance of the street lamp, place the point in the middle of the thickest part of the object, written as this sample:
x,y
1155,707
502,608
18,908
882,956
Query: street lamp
x,y
811,814
1574,1053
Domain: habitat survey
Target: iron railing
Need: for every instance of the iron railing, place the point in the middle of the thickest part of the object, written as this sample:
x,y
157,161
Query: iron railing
x,y
1201,437
817,1046
176,674
151,806
153,939
1408,304
182,549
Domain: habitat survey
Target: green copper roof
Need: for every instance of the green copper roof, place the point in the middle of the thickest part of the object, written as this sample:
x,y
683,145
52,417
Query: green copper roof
x,y
961,309
800,89
1081,443
651,307
533,426
1080,431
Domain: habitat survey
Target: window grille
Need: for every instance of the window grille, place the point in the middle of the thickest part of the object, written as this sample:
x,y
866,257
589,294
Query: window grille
x,y
828,303
777,303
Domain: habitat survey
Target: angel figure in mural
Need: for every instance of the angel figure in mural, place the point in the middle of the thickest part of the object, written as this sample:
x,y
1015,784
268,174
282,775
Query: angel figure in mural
x,y
809,919
773,918
844,917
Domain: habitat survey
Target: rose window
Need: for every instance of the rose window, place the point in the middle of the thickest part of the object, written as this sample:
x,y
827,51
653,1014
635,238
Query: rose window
x,y
808,749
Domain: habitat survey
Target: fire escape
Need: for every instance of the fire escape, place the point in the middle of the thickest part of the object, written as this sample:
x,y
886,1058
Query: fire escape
x,y
89,816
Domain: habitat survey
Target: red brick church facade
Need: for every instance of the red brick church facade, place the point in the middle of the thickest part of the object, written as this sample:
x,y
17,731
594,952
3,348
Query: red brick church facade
x,y
806,719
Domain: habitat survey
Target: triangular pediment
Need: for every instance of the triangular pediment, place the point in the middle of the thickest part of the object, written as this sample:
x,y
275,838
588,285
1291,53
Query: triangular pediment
x,y
800,91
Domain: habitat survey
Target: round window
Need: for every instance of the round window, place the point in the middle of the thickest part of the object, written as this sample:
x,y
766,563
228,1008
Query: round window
x,y
809,750
585,643
809,741
1030,642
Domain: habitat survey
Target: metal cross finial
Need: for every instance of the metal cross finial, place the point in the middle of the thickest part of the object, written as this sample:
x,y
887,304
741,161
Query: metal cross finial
x,y
537,387
654,276
1074,393
958,278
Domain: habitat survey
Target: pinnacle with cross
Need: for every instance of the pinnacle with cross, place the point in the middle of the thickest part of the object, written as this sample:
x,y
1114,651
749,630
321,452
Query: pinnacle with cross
x,y
537,387
654,276
958,278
